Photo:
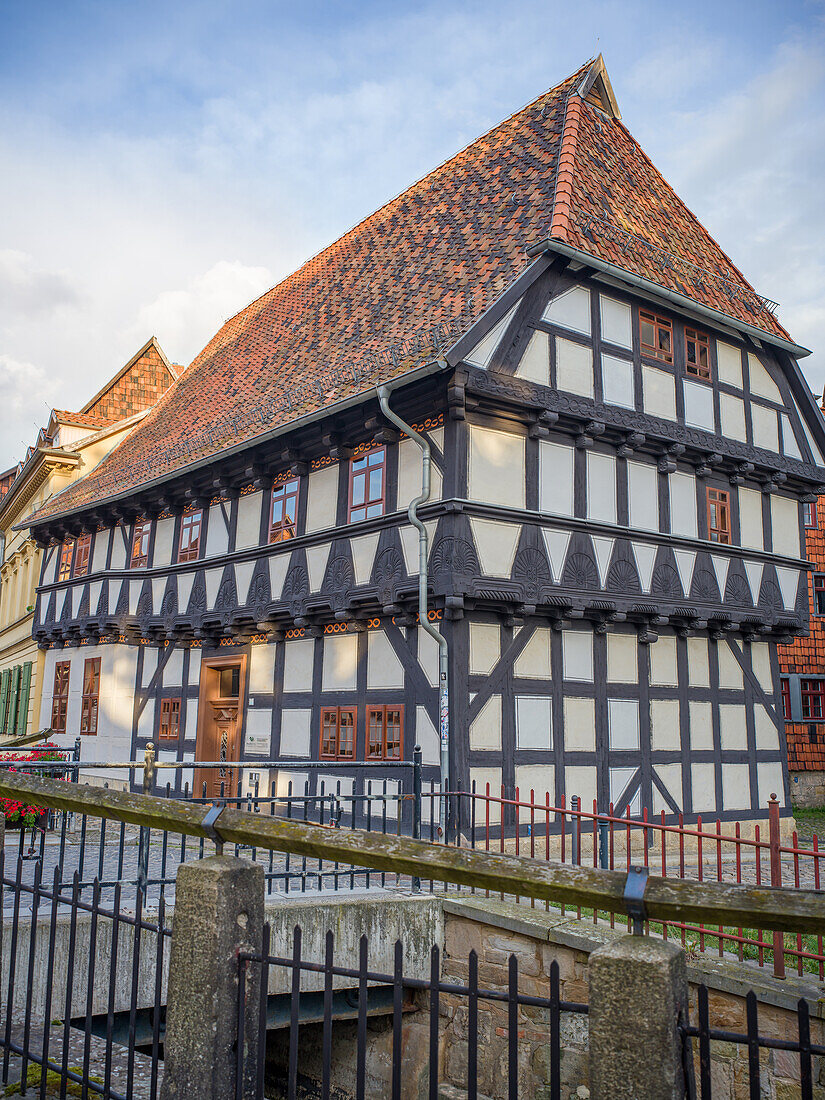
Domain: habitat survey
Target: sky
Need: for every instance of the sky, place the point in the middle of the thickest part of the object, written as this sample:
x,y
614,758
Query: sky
x,y
162,164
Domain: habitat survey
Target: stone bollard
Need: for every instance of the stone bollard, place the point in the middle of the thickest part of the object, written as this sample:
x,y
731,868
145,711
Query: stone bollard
x,y
638,989
219,911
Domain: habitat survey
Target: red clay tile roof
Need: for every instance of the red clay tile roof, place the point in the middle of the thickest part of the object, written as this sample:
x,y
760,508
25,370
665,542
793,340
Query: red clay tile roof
x,y
83,420
439,254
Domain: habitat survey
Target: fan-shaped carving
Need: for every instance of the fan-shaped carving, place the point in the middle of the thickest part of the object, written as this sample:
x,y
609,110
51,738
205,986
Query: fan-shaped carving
x,y
622,577
530,567
102,600
386,574
197,599
227,599
737,591
259,593
83,611
296,589
580,572
340,580
770,596
169,608
123,600
456,556
144,607
704,585
51,610
666,581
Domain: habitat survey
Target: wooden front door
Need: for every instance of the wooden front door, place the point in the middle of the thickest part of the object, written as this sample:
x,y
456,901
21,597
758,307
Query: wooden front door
x,y
220,714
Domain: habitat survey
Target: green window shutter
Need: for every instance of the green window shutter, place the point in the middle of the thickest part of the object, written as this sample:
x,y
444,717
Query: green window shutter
x,y
23,706
14,692
5,679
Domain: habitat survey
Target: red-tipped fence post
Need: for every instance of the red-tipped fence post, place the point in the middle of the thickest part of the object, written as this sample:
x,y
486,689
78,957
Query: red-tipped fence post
x,y
776,880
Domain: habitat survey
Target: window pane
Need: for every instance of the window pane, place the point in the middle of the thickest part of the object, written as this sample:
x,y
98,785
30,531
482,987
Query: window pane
x,y
376,481
357,514
359,486
375,510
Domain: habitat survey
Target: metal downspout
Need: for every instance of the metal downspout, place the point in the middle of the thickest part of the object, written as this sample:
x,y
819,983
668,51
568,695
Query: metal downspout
x,y
384,392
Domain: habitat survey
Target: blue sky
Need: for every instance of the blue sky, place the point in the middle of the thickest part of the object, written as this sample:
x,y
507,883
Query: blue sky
x,y
162,164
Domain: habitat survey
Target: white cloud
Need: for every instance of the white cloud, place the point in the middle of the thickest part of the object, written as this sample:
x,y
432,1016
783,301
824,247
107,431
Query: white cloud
x,y
25,288
23,390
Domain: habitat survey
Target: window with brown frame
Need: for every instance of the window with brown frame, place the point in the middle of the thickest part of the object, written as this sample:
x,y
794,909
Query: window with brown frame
x,y
813,698
190,536
140,544
809,514
719,529
82,551
91,694
283,515
169,724
367,476
818,583
385,732
656,336
785,686
64,571
60,696
697,353
338,733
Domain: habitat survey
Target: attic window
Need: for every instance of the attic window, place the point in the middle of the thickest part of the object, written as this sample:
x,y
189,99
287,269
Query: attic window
x,y
697,353
656,336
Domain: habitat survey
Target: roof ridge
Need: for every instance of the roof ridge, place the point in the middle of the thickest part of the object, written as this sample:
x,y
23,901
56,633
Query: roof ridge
x,y
566,165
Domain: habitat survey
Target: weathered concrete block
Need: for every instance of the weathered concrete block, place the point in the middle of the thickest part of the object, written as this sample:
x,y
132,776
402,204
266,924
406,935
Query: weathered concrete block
x,y
219,911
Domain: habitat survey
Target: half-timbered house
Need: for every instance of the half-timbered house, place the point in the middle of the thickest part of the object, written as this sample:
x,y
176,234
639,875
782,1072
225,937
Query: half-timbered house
x,y
622,441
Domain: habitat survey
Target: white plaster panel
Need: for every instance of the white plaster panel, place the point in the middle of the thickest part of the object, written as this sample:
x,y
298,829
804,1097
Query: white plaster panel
x,y
765,427
482,353
730,671
409,544
790,444
703,781
134,595
248,527
291,784
663,671
579,724
785,525
146,721
570,310
762,384
556,544
213,583
580,780
577,650
118,668
616,322
534,722
485,647
643,495
99,552
316,564
815,451
164,538
766,733
482,777
217,534
158,588
258,730
191,727
698,405
603,550
788,585
496,545
262,669
118,549
729,364
340,662
535,363
574,367
556,478
683,504
622,663
733,732
769,781
77,595
617,382
299,655
659,393
363,555
243,578
736,787
426,736
753,571
428,656
94,595
685,561
185,583
732,416
671,776
322,498
173,669
533,663
761,665
750,518
645,555
437,437
664,725
150,664
601,487
409,476
496,467
296,732
623,723
278,566
384,670
485,729
535,782
620,780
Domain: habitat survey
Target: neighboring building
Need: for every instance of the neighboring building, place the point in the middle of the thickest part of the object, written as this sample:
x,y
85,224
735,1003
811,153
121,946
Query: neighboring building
x,y
802,665
67,449
622,442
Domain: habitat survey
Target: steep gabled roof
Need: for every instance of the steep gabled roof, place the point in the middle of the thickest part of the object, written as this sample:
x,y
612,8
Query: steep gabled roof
x,y
135,387
414,276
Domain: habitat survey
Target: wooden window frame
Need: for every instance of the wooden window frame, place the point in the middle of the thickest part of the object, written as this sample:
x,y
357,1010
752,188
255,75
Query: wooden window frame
x,y
818,593
82,556
140,532
283,529
813,697
376,751
188,520
368,502
337,713
721,533
169,719
652,351
66,562
785,694
700,340
809,517
90,700
60,695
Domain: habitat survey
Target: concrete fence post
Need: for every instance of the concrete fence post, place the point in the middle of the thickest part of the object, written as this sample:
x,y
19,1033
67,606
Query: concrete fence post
x,y
219,911
638,990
